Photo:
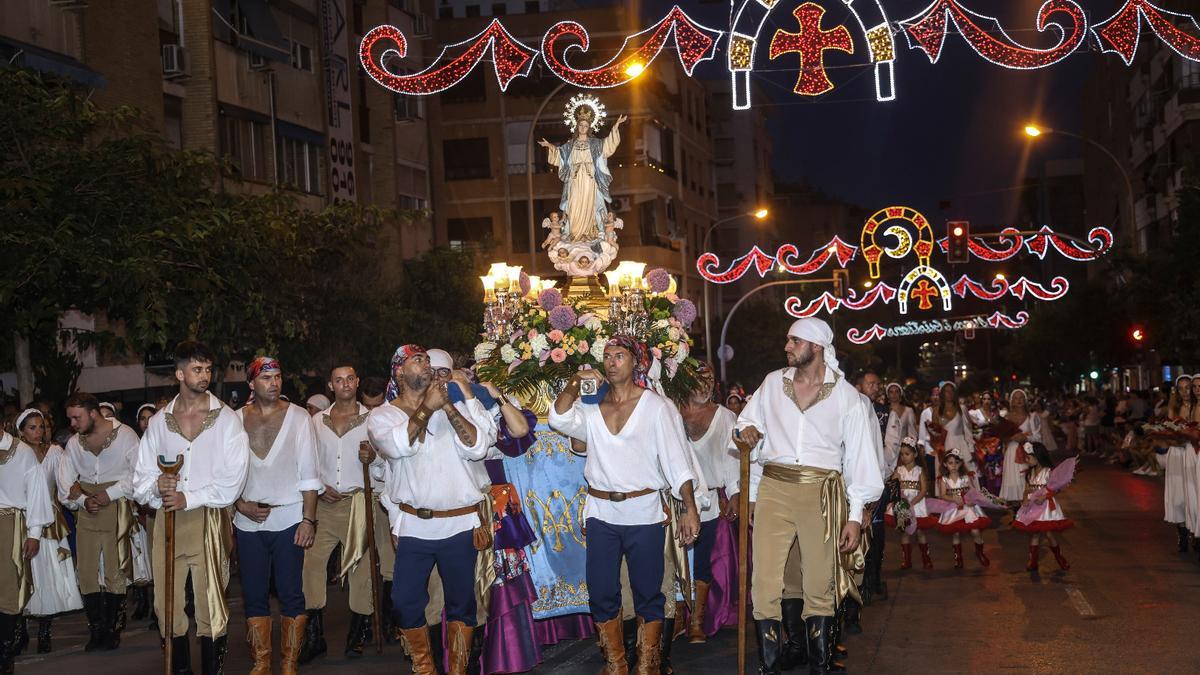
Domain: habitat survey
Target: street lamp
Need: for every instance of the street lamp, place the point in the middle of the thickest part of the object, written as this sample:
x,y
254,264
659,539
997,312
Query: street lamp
x,y
634,69
1034,131
760,213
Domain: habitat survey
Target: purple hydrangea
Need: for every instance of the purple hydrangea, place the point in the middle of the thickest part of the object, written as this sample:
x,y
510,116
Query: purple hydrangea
x,y
549,299
684,312
525,284
659,280
562,318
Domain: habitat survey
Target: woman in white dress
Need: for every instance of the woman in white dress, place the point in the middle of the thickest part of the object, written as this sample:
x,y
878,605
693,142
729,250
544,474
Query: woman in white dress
x,y
944,425
901,423
1191,466
1012,483
55,587
1173,461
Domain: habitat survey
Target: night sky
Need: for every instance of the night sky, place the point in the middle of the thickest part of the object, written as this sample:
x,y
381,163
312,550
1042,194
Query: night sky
x,y
953,132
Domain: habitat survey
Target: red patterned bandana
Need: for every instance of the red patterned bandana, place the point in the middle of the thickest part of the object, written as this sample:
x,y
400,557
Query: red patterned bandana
x,y
403,353
641,357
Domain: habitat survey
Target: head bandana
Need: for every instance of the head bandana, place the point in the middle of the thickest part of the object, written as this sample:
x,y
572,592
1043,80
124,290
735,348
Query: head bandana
x,y
641,358
736,391
819,333
440,358
1013,393
260,365
145,406
893,384
26,414
403,353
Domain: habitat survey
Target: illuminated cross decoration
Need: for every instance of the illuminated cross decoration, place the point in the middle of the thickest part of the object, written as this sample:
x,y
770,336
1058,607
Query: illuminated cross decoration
x,y
923,293
811,43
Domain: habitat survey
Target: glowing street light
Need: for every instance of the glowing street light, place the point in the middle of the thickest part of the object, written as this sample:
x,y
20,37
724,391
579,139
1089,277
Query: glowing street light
x,y
634,69
762,213
1032,130
1000,276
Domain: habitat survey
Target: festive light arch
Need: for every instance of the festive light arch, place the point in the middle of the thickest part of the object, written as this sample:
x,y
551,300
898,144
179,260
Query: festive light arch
x,y
927,31
1122,32
923,291
997,320
510,59
872,251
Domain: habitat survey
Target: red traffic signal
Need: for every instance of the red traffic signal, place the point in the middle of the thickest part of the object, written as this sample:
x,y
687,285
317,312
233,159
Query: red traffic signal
x,y
958,233
1138,334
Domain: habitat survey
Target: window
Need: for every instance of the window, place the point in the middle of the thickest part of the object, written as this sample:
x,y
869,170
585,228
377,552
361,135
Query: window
x,y
445,12
408,107
173,121
465,234
499,9
301,56
412,187
472,89
1189,76
466,159
244,143
472,10
532,7
300,165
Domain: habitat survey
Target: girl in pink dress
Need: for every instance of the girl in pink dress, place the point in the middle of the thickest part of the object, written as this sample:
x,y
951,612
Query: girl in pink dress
x,y
1052,519
953,485
913,488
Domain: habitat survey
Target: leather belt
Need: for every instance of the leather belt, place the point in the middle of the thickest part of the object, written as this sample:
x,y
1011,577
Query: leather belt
x,y
429,514
618,496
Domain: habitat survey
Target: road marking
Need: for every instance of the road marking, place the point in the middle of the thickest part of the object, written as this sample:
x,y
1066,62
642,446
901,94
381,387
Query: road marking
x,y
1082,606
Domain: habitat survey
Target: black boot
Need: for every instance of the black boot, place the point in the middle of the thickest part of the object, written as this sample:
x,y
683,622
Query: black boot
x,y
836,636
22,636
668,636
8,631
181,656
794,651
385,616
820,645
93,607
853,612
140,605
212,655
356,637
629,636
1184,537
475,660
114,607
768,632
44,635
435,647
314,636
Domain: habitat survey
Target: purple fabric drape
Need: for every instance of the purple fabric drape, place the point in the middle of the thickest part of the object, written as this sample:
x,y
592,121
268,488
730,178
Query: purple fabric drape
x,y
560,628
722,595
509,640
515,447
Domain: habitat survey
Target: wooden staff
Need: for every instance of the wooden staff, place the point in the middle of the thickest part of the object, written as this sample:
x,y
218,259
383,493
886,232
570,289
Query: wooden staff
x,y
743,546
169,469
375,613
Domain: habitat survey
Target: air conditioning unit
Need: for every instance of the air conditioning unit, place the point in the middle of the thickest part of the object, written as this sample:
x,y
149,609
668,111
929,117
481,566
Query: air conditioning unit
x,y
175,64
421,27
622,204
69,4
259,63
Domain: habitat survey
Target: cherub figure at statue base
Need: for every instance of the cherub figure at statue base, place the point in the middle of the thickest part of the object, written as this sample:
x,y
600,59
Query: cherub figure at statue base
x,y
584,258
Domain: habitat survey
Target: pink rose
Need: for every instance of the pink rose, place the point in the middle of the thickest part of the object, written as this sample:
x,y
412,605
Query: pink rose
x,y
656,352
555,335
532,334
558,355
582,347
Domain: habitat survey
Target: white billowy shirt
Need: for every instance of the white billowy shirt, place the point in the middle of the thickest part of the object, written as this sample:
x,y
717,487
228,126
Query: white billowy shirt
x,y
898,427
54,456
281,478
337,456
23,485
114,464
839,432
651,451
716,463
439,472
214,463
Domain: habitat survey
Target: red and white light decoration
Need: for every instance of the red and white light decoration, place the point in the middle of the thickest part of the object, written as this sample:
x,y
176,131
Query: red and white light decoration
x,y
927,31
1101,239
694,43
1122,31
934,326
510,59
872,251
811,43
709,264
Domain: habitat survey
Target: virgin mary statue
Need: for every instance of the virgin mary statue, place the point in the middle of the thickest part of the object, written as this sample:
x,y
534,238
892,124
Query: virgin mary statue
x,y
583,168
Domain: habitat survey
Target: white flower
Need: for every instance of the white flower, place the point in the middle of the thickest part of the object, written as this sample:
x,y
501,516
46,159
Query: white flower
x,y
484,349
682,352
598,345
675,334
661,323
539,344
594,324
507,353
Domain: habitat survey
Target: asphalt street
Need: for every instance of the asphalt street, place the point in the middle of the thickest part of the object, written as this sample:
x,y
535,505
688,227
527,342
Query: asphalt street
x,y
1129,604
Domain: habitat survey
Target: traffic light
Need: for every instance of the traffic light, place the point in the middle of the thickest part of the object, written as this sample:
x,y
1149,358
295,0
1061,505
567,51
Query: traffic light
x,y
958,233
841,282
1138,334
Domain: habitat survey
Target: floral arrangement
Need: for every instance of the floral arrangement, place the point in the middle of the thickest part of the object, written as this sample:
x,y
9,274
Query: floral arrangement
x,y
1171,431
552,338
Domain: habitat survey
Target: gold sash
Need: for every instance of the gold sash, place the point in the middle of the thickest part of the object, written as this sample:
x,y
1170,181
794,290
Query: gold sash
x,y
58,532
218,537
834,511
675,510
356,533
24,574
485,562
126,521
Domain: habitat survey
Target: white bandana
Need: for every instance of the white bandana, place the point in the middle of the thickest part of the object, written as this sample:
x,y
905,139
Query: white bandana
x,y
817,332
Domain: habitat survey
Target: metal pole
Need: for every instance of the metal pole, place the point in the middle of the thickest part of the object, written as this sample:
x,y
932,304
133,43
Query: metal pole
x,y
1117,163
529,175
725,327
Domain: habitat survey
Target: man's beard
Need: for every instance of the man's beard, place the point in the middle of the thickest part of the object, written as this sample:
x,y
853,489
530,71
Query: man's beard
x,y
416,382
196,387
87,430
803,360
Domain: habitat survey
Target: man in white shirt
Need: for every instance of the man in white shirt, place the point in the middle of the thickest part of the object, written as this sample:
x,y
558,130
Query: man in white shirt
x,y
198,429
342,449
276,515
25,509
814,439
440,489
94,480
633,454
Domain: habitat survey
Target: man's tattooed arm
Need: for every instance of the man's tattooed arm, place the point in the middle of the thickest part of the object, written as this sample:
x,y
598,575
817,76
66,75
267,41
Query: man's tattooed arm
x,y
467,433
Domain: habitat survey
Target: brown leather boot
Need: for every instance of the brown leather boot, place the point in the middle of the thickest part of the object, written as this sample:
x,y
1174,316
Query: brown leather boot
x,y
696,624
417,640
291,639
258,636
460,646
612,644
649,647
